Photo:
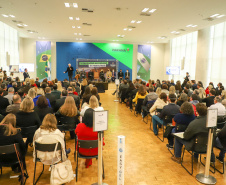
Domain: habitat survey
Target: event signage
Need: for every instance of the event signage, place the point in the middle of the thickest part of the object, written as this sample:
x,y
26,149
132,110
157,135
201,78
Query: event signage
x,y
100,121
121,160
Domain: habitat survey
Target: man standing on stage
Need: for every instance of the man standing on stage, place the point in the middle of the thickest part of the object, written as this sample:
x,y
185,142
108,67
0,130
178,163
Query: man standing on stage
x,y
69,71
127,75
120,75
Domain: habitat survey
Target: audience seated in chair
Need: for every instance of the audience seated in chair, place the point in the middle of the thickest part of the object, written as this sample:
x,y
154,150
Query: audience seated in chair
x,y
84,131
69,114
159,103
9,134
170,109
49,134
14,108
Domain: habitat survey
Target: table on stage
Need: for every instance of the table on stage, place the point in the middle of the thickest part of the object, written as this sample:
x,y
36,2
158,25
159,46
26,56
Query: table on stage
x,y
105,84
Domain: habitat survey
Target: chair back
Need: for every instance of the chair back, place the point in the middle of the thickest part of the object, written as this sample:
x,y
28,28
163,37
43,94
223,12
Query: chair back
x,y
88,144
158,111
66,122
9,149
200,142
27,131
47,147
168,118
139,105
220,125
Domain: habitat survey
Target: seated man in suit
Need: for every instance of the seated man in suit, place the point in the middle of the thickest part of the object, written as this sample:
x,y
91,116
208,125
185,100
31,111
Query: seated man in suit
x,y
101,75
195,127
170,109
210,100
127,75
76,98
55,92
120,75
37,82
50,96
90,75
61,101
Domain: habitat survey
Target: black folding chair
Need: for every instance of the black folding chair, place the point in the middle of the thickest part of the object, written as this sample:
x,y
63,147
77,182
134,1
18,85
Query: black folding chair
x,y
27,132
138,106
146,108
167,120
10,150
86,144
199,147
44,148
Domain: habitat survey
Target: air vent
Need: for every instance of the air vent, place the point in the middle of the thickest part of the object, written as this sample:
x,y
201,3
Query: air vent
x,y
86,35
86,24
17,21
181,30
145,14
87,10
209,19
20,26
131,27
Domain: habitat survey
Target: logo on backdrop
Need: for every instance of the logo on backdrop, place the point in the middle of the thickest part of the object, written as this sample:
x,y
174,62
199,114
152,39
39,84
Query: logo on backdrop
x,y
120,50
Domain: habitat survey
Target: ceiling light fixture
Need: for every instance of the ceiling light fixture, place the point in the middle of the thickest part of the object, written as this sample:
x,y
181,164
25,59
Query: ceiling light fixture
x,y
125,29
214,15
75,5
118,35
130,29
71,18
77,18
19,25
219,16
75,33
25,25
173,32
193,26
4,15
80,34
133,21
80,38
138,22
122,35
73,26
152,10
79,27
145,9
189,25
67,5
12,16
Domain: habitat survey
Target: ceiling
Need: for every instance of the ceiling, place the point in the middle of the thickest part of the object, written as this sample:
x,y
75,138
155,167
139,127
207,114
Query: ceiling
x,y
50,18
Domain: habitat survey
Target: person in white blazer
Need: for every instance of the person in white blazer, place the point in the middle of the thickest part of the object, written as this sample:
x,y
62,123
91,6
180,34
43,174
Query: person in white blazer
x,y
159,103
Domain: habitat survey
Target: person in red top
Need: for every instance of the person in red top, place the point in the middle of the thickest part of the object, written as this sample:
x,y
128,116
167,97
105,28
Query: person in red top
x,y
84,131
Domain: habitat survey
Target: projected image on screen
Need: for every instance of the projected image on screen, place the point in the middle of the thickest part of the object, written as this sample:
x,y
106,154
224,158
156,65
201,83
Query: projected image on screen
x,y
30,67
173,70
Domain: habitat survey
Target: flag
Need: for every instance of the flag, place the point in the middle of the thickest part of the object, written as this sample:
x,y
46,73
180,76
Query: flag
x,y
47,69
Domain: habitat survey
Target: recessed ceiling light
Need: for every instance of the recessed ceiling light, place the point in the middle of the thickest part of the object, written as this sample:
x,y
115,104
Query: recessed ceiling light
x,y
118,35
139,22
19,25
122,35
219,16
214,15
177,32
75,33
12,16
173,32
194,26
189,25
67,5
80,34
79,27
75,5
125,29
130,29
80,38
145,9
73,26
71,18
152,10
31,32
25,25
5,15
77,18
133,21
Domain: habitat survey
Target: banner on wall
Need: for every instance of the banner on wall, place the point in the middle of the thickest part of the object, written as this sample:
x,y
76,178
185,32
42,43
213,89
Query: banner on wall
x,y
144,62
96,64
43,59
70,52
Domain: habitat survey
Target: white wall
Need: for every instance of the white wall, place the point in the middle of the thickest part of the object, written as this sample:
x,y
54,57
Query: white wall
x,y
159,58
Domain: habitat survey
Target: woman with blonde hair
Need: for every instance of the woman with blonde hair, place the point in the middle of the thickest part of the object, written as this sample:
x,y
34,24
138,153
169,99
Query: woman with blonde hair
x,y
59,86
49,134
68,114
172,90
32,82
84,84
31,93
93,104
202,93
9,134
223,94
158,91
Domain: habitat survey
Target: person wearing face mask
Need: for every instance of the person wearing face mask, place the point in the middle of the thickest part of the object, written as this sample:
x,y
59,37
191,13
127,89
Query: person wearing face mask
x,y
120,75
127,75
101,75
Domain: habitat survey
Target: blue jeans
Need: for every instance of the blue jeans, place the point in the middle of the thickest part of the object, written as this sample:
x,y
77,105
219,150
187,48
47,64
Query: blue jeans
x,y
155,121
222,149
